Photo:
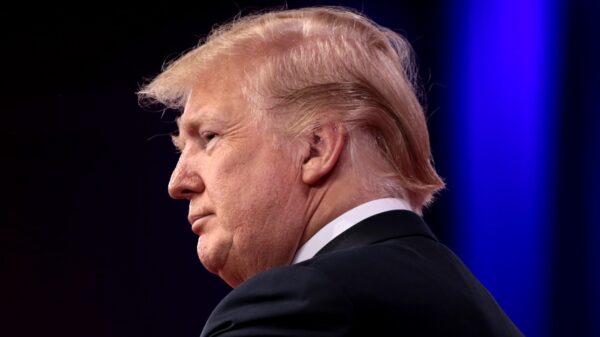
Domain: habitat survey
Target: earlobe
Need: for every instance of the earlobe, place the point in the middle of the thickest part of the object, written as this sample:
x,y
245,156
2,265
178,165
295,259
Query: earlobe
x,y
326,145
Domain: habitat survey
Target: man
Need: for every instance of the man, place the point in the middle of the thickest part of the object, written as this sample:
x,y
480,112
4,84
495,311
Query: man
x,y
305,159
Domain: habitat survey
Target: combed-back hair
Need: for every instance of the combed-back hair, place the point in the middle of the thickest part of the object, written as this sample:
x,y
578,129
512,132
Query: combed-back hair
x,y
306,67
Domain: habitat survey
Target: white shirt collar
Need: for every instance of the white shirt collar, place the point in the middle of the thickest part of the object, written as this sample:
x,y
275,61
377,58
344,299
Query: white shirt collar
x,y
344,222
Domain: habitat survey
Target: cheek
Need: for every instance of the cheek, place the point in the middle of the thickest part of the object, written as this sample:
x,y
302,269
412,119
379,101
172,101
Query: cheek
x,y
250,181
271,204
260,203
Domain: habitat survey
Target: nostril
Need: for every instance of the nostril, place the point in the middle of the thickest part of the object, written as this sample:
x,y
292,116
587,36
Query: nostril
x,y
187,194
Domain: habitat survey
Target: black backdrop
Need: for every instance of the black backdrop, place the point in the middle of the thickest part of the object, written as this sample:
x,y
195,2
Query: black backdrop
x,y
91,243
94,245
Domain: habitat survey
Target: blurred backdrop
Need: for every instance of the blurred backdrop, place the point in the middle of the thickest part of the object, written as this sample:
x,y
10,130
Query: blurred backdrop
x,y
92,245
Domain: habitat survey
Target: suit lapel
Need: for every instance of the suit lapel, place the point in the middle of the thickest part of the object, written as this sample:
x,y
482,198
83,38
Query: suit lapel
x,y
380,227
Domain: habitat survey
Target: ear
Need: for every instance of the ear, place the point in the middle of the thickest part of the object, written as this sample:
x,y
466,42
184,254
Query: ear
x,y
326,145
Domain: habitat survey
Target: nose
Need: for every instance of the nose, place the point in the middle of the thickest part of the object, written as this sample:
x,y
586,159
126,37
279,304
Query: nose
x,y
185,181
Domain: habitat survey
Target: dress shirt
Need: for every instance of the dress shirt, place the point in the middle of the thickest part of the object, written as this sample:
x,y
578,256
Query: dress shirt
x,y
343,222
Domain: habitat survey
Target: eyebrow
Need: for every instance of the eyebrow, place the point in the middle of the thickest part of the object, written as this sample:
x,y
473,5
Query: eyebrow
x,y
176,142
175,135
192,124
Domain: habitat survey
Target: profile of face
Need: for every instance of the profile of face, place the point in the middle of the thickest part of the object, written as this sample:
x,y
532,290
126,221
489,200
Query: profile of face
x,y
247,199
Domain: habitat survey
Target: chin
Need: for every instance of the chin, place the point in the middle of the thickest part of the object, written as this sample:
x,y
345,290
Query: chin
x,y
220,268
209,263
231,281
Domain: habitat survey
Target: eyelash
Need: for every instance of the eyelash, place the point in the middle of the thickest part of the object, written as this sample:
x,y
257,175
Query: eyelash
x,y
207,137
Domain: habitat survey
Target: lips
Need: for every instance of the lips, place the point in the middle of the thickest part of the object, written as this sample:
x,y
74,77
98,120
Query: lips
x,y
198,221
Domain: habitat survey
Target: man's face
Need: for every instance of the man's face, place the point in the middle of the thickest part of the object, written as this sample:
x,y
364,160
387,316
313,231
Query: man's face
x,y
247,199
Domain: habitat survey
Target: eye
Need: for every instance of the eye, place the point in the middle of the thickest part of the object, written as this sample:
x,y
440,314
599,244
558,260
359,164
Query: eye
x,y
208,137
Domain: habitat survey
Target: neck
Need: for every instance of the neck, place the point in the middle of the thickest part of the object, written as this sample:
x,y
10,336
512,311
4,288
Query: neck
x,y
330,200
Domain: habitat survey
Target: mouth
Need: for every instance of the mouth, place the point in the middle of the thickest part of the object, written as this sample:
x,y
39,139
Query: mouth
x,y
199,221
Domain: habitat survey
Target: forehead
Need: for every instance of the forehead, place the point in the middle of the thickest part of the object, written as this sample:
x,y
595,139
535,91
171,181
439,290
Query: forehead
x,y
216,96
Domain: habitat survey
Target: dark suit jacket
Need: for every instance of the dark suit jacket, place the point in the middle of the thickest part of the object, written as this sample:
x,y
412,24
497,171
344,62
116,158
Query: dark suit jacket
x,y
386,276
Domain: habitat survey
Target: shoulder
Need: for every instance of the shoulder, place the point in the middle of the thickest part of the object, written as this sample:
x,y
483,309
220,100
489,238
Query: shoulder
x,y
395,265
413,284
292,301
416,283
394,273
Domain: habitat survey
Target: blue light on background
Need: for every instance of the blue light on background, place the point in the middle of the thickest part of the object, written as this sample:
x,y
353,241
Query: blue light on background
x,y
590,94
504,110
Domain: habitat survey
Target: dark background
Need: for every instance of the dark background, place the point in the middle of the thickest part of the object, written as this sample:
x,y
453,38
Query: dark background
x,y
91,243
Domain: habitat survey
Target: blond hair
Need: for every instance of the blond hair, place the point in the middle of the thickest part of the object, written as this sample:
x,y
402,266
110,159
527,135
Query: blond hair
x,y
319,65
